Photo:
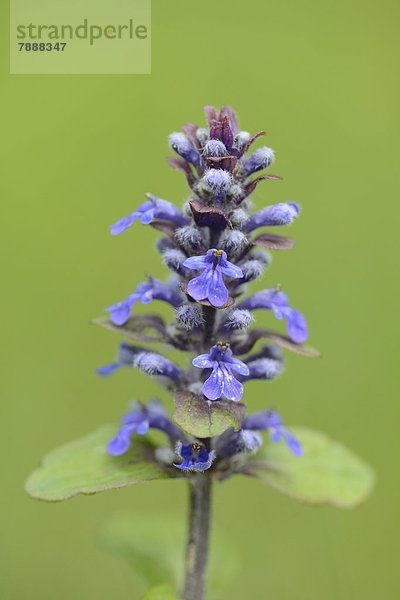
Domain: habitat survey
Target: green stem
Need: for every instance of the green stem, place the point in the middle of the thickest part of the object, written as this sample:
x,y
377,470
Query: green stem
x,y
198,534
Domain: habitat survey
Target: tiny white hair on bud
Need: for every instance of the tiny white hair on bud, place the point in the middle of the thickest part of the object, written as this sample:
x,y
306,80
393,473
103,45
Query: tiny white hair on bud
x,y
236,191
262,256
238,217
189,237
149,362
234,241
240,318
163,244
174,258
202,135
268,155
214,148
217,179
178,140
252,269
189,316
250,440
260,159
241,139
265,368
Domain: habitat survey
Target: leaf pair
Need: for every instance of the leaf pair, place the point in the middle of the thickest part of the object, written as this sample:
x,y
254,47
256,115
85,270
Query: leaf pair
x,y
327,473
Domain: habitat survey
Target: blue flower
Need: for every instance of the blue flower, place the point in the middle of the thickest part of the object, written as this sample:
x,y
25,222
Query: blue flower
x,y
139,420
260,159
221,380
148,362
210,284
283,213
275,300
195,457
153,208
269,420
145,293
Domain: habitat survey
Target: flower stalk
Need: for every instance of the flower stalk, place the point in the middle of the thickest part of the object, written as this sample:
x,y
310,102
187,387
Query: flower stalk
x,y
200,487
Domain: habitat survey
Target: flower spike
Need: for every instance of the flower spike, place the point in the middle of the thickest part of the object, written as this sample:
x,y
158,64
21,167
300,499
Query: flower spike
x,y
210,248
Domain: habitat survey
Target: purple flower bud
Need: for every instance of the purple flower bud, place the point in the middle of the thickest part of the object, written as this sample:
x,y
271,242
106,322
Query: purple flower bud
x,y
153,208
262,256
239,319
252,269
195,457
164,243
234,241
218,181
264,368
271,216
266,364
139,420
152,363
202,136
236,193
241,139
210,284
275,300
239,217
232,442
260,159
184,147
251,440
190,316
214,148
189,238
174,260
269,420
221,381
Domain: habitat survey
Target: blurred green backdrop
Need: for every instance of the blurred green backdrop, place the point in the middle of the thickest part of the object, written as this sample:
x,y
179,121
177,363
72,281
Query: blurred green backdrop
x,y
78,152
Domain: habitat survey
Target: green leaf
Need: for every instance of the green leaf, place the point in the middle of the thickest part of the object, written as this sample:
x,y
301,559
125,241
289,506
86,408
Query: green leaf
x,y
201,418
84,467
154,545
161,592
141,328
327,473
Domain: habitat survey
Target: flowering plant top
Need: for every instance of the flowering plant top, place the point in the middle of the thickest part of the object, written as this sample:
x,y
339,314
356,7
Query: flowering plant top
x,y
214,247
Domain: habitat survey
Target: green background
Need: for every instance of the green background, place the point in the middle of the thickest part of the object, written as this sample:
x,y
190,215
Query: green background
x,y
78,152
